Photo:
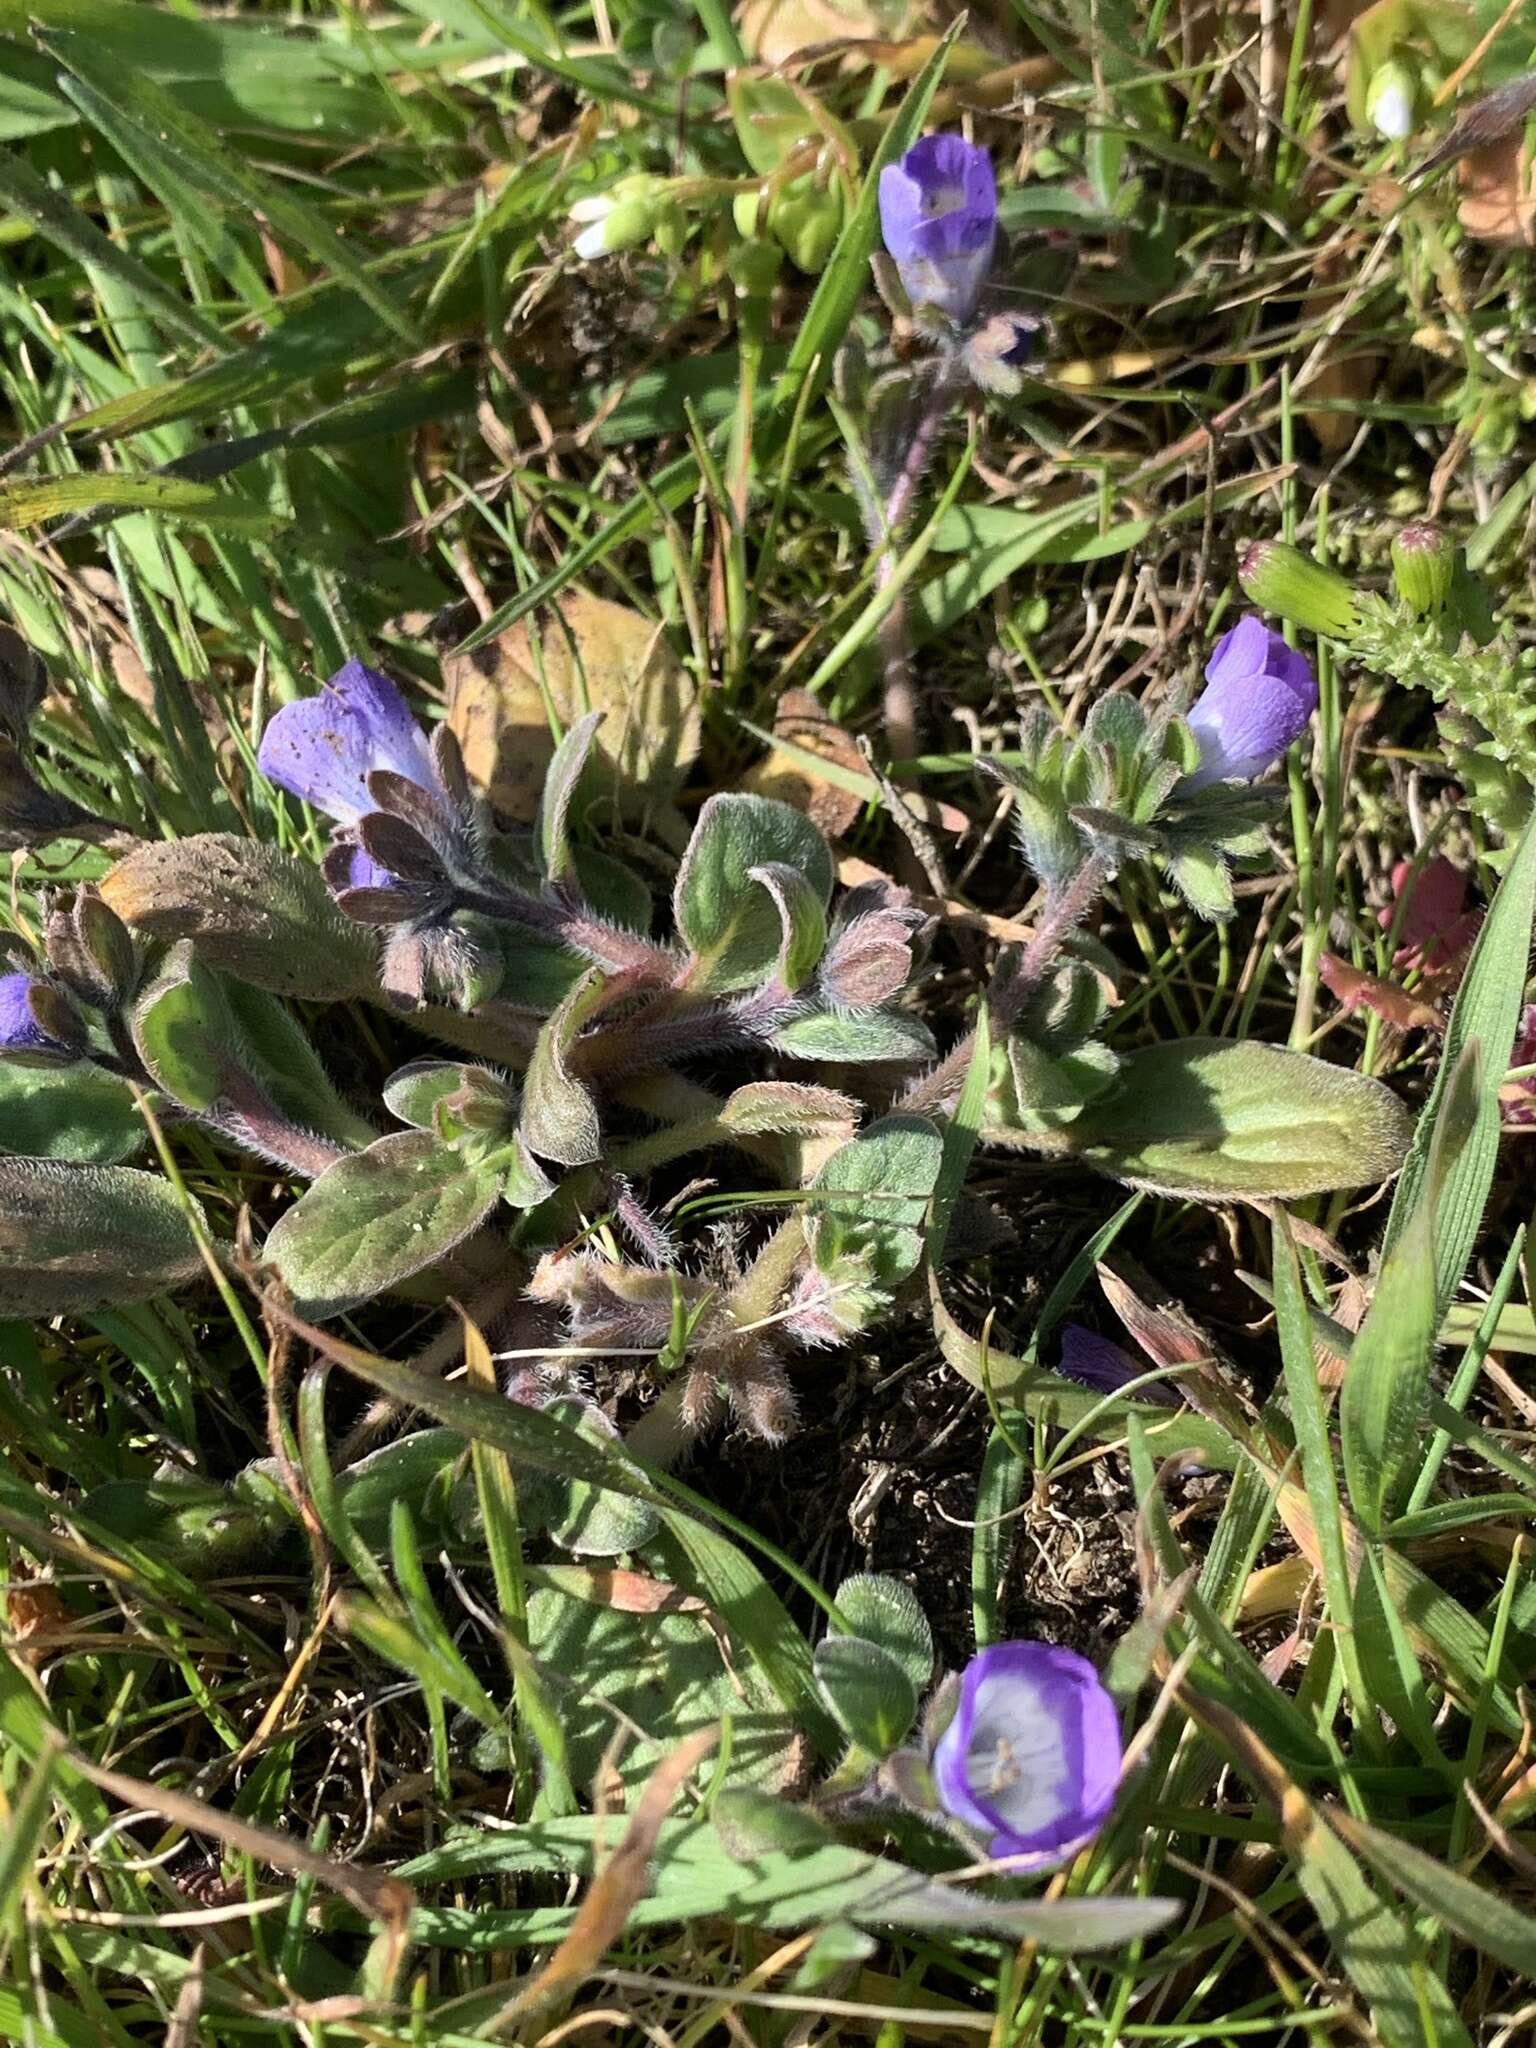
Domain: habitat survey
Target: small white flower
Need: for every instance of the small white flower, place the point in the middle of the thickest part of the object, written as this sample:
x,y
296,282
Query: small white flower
x,y
1389,103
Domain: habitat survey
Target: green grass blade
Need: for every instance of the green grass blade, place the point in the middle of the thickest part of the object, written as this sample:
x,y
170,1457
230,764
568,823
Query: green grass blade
x,y
1381,1406
116,100
33,502
1487,1008
1310,1419
32,198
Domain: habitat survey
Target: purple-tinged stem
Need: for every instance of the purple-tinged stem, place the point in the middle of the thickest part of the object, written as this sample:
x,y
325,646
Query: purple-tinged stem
x,y
669,1031
1065,908
607,945
900,703
244,1114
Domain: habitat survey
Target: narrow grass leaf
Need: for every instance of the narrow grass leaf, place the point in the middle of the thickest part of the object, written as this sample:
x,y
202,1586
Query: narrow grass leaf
x,y
1320,1479
1382,1958
1487,1008
27,502
1386,1383
1476,1912
722,1575
58,220
115,97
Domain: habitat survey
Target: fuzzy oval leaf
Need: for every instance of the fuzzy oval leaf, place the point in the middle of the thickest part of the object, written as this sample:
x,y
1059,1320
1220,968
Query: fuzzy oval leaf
x,y
413,1092
277,1050
183,1030
730,922
559,1119
1215,1120
597,1521
885,1611
788,1109
873,1698
87,1237
865,1035
252,911
371,1221
871,1196
75,1113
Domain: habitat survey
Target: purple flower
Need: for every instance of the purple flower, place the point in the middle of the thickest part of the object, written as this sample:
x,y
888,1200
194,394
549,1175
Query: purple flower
x,y
24,1000
325,747
938,214
1098,1362
1031,1759
1259,697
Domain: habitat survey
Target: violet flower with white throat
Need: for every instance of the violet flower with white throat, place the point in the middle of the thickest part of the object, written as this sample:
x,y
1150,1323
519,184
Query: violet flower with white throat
x,y
1030,1762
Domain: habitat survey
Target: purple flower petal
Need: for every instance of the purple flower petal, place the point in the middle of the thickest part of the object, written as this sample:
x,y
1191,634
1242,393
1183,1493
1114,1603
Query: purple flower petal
x,y
1259,695
938,215
19,1028
324,748
1032,1757
364,872
1098,1362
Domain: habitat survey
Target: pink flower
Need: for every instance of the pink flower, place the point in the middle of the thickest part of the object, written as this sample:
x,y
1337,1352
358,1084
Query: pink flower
x,y
1434,926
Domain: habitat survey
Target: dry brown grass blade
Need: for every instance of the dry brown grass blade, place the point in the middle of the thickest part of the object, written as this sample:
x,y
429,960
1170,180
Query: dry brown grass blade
x,y
617,1890
182,2029
382,1898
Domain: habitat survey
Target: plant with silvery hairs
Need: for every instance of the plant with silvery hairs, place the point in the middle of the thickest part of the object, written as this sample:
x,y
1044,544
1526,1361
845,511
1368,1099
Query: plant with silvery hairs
x,y
590,1060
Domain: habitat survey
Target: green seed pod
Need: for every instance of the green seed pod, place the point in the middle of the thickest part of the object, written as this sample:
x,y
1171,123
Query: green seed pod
x,y
1281,579
1423,567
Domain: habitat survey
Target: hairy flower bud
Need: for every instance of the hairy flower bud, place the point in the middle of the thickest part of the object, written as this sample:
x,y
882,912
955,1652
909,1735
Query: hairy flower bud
x,y
1284,580
869,954
1423,566
999,353
91,950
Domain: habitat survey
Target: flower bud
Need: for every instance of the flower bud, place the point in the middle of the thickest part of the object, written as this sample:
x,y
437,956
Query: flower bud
x,y
1282,579
620,218
91,950
1391,100
1423,567
999,353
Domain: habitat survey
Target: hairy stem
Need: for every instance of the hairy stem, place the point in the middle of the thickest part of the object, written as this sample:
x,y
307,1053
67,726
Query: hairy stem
x,y
1012,986
244,1113
576,927
900,701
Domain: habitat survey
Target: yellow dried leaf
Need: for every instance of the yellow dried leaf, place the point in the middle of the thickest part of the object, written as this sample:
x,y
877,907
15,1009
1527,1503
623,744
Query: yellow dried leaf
x,y
1498,193
585,654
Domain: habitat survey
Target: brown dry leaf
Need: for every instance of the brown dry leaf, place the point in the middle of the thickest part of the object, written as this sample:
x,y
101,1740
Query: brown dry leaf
x,y
830,806
258,913
773,30
586,654
620,1886
1351,987
627,1592
35,1609
1498,193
